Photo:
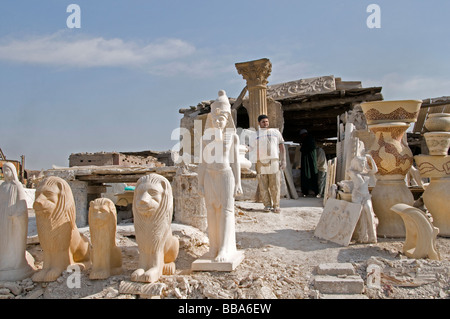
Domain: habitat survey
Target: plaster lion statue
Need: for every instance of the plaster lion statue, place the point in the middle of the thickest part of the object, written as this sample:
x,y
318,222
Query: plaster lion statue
x,y
62,243
106,256
152,212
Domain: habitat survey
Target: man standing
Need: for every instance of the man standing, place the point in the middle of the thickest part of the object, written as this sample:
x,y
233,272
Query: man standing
x,y
271,158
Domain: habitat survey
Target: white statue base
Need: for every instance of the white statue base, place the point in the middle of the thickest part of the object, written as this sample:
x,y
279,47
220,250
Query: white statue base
x,y
206,263
19,274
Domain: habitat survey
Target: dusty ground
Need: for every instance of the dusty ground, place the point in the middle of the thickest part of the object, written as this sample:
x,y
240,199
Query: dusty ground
x,y
281,255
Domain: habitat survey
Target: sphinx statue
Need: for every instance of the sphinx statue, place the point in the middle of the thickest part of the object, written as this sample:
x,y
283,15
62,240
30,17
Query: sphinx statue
x,y
106,256
62,243
219,180
15,262
152,212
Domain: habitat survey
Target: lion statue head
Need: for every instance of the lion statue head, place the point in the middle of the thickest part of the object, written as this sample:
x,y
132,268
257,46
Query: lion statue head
x,y
153,196
54,200
102,211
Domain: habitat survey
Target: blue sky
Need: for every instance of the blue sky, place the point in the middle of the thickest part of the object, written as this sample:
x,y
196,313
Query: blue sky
x,y
118,82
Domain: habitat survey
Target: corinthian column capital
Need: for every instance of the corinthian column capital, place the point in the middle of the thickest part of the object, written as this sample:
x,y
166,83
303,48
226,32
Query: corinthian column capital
x,y
255,72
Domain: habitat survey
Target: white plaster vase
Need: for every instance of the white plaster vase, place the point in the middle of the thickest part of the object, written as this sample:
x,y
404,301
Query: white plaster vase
x,y
391,111
438,122
437,142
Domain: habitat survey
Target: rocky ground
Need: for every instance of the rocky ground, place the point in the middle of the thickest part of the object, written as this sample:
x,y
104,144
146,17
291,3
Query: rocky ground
x,y
281,259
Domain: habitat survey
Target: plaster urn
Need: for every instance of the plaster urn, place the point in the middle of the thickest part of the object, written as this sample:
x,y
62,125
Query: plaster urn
x,y
245,163
433,166
391,111
438,122
437,193
437,142
393,159
389,120
389,152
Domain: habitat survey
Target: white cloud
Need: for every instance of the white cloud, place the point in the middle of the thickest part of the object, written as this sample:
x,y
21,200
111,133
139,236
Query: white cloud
x,y
59,50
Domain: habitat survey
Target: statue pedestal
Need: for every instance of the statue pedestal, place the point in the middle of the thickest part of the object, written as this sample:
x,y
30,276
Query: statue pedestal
x,y
206,263
25,271
386,194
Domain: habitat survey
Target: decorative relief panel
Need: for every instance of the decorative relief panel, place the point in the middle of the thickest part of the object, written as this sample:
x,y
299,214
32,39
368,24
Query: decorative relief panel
x,y
302,87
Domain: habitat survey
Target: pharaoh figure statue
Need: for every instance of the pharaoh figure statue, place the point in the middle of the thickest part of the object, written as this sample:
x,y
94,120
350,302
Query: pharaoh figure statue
x,y
14,264
219,179
361,169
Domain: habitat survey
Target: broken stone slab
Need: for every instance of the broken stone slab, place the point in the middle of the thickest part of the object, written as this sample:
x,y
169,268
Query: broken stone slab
x,y
189,235
338,221
353,284
12,287
336,269
107,293
136,288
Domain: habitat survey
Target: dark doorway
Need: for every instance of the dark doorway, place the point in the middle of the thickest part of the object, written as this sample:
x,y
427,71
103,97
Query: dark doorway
x,y
242,119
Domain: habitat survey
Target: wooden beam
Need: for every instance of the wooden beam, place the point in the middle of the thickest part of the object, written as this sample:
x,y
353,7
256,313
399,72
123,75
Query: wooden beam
x,y
331,102
302,122
113,178
238,101
117,178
